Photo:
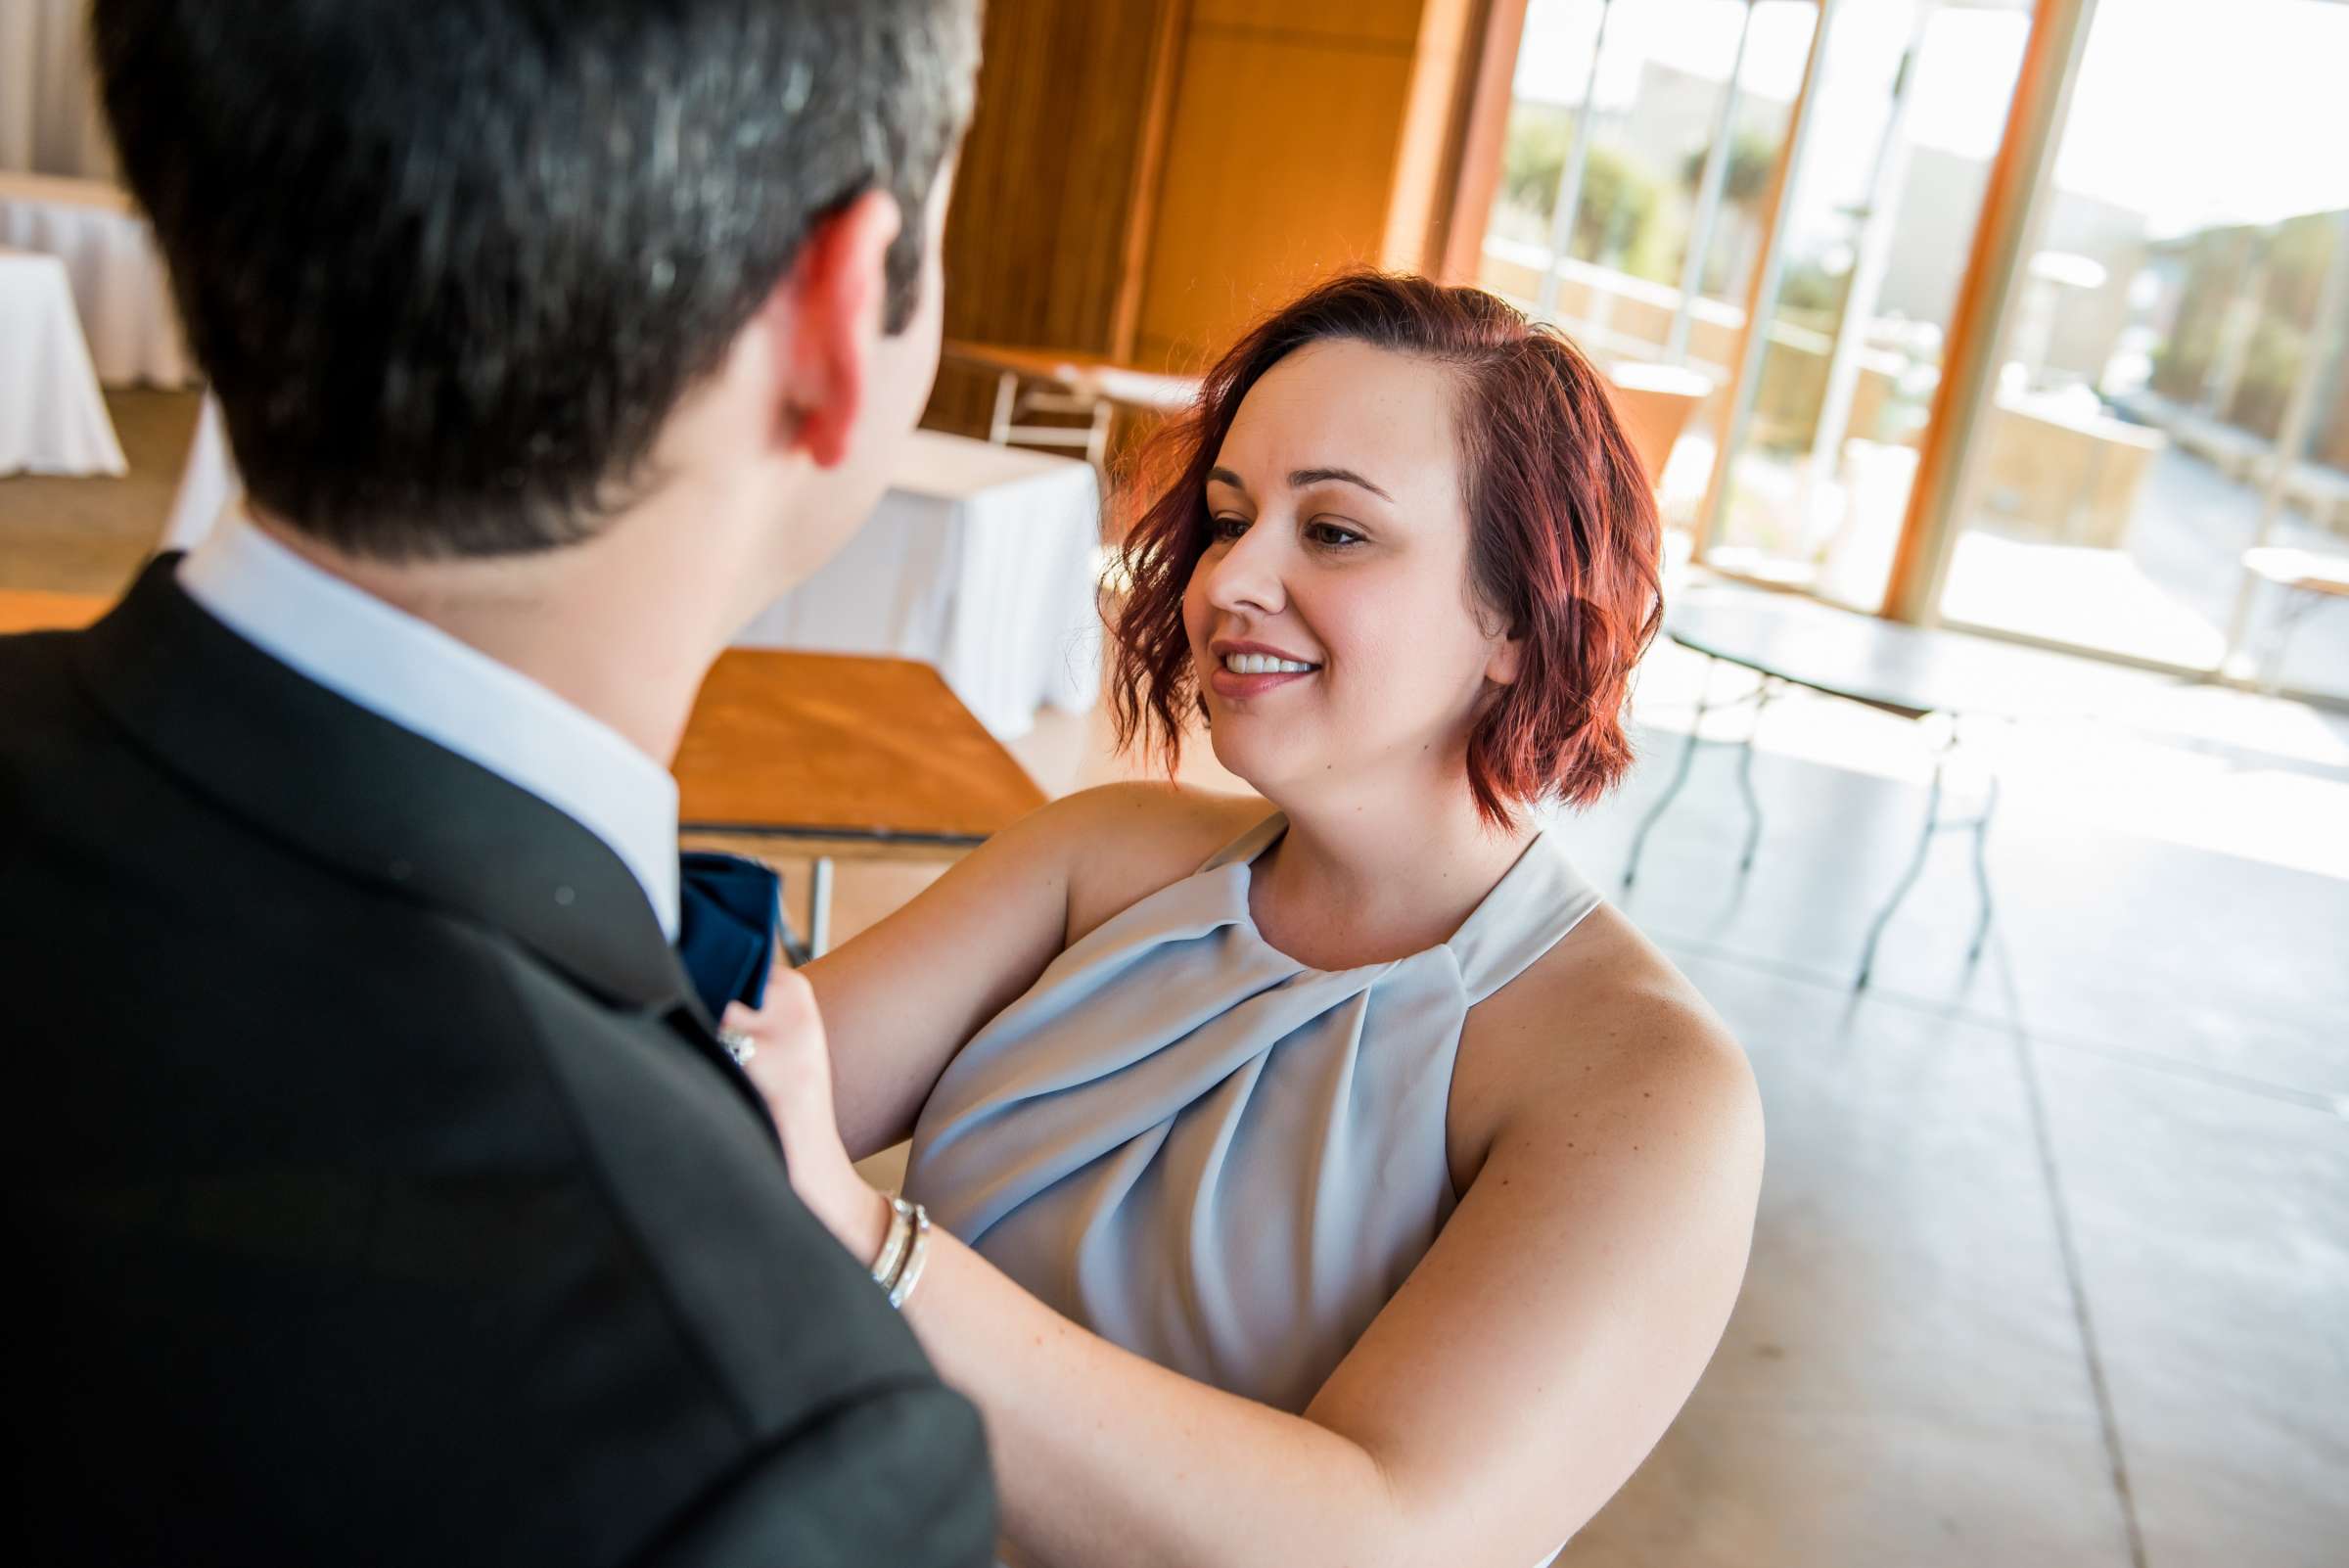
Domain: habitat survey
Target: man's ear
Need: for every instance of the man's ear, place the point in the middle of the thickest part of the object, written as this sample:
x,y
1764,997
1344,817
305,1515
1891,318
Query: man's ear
x,y
826,314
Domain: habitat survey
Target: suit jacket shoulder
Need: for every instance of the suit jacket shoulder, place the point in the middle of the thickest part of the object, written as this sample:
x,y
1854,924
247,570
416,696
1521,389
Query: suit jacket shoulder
x,y
383,1191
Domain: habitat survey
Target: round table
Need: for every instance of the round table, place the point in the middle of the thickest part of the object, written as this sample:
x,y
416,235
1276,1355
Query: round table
x,y
1912,672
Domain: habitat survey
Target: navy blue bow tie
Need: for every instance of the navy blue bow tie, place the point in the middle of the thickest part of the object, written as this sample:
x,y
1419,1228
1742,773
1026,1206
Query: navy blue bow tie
x,y
728,913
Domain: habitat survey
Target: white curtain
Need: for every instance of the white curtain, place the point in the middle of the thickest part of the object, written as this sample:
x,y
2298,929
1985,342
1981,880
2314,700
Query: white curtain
x,y
49,120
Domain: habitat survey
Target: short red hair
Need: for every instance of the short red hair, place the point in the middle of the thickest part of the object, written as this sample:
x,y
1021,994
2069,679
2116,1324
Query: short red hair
x,y
1563,533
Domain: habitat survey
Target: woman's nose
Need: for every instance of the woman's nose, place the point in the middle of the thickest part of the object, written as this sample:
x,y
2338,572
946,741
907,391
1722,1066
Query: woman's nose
x,y
1247,575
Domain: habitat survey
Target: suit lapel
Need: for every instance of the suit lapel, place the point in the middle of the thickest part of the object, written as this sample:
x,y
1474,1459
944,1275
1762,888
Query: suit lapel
x,y
381,804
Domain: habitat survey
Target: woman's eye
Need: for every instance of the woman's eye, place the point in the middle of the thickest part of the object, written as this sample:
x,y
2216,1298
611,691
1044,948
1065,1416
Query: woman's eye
x,y
1226,528
1332,534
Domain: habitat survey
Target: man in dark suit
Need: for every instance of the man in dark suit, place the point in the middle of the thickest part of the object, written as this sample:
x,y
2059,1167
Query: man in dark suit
x,y
378,1190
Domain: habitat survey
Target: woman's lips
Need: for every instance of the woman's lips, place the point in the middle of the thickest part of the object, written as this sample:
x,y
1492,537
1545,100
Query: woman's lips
x,y
1233,686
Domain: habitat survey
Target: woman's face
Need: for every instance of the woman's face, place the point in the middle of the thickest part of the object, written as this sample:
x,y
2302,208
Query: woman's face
x,y
1331,621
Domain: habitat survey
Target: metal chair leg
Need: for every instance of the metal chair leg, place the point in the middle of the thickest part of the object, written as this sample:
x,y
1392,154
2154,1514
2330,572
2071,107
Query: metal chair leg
x,y
1007,393
1097,447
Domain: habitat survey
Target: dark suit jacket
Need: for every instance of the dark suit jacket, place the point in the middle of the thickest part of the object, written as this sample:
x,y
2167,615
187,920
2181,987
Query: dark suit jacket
x,y
375,1192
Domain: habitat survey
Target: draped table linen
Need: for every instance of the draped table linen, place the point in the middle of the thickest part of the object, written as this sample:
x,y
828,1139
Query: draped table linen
x,y
52,418
983,561
120,286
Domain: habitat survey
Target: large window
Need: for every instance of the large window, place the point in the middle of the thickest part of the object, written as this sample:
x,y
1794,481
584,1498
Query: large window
x,y
2170,393
1893,160
1642,137
2157,464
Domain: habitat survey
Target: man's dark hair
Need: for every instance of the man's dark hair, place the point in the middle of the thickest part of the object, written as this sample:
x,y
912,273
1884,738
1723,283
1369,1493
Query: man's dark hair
x,y
449,265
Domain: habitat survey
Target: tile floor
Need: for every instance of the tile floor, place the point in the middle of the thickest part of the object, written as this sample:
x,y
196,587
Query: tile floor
x,y
2053,1260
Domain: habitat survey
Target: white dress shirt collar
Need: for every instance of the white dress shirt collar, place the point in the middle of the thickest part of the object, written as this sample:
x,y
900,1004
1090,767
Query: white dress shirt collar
x,y
425,681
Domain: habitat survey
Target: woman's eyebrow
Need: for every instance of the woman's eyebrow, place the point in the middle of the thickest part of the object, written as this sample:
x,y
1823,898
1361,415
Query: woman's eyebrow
x,y
1298,479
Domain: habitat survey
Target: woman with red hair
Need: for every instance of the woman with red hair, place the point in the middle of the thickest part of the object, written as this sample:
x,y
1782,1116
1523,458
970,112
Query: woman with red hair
x,y
1326,1175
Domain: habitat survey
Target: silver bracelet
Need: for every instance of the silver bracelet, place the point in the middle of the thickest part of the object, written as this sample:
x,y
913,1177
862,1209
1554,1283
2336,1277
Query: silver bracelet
x,y
901,1288
893,1248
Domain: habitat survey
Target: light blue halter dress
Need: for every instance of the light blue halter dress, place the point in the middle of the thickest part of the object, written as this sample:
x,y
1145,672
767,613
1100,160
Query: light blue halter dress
x,y
1208,1153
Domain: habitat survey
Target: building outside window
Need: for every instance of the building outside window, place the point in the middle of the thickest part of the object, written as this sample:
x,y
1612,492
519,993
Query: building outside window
x,y
2168,397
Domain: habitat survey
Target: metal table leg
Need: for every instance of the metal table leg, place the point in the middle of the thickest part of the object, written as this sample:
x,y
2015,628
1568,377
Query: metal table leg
x,y
820,907
1745,774
1917,864
820,916
1980,826
1990,808
2298,604
1679,777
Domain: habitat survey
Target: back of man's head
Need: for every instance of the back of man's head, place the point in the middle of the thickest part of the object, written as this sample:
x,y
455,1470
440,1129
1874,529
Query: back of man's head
x,y
451,264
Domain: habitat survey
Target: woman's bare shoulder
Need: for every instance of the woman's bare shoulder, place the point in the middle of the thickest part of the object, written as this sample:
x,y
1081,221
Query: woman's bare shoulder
x,y
1124,842
1603,1023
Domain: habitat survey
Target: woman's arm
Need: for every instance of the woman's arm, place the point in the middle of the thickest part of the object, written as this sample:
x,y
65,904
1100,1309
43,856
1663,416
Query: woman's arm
x,y
903,997
1525,1369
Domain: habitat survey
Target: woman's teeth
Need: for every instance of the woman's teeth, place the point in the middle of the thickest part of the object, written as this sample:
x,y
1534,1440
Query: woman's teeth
x,y
1264,664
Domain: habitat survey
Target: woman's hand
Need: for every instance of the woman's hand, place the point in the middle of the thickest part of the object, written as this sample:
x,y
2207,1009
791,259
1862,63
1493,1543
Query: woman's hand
x,y
792,1066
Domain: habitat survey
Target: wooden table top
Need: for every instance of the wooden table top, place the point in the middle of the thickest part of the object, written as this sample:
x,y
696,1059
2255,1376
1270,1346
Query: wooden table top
x,y
823,747
1903,669
2304,570
1089,375
812,745
63,190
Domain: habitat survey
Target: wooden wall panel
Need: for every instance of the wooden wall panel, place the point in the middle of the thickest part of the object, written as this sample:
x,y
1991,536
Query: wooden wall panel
x,y
1051,200
1304,139
1145,177
1280,160
1428,147
1347,24
1489,68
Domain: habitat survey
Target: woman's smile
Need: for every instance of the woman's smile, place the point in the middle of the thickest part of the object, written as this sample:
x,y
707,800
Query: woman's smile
x,y
1245,669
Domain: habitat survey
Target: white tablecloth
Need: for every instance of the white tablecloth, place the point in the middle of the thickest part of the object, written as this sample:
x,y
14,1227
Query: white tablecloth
x,y
52,418
119,283
981,560
49,118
